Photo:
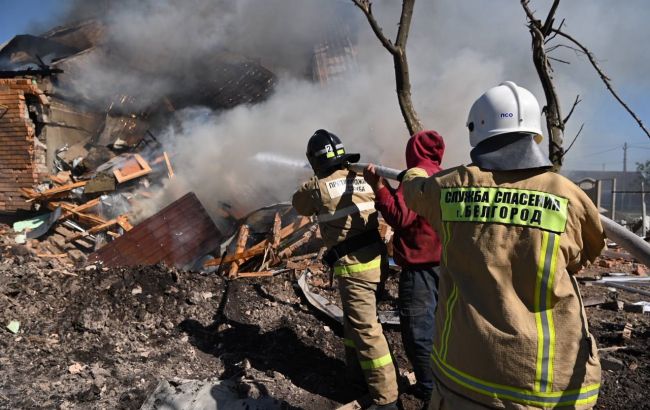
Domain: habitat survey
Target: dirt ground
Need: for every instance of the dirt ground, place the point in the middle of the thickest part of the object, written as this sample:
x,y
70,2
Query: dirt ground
x,y
94,338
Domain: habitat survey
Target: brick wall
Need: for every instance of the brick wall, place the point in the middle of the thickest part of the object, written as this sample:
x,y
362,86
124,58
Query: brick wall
x,y
22,155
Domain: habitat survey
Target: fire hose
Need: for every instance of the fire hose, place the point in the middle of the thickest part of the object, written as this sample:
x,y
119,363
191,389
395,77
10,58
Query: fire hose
x,y
635,245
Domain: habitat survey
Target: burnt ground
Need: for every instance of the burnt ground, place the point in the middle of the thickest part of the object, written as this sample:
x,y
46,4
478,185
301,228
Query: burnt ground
x,y
95,338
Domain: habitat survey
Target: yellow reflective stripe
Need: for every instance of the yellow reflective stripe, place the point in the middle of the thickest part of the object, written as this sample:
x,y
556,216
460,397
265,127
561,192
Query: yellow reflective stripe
x,y
584,395
538,314
349,343
376,363
549,310
543,311
330,154
340,152
448,319
505,206
357,267
446,227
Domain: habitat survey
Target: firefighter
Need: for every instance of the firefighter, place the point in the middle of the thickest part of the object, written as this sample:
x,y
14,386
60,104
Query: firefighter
x,y
344,205
511,330
416,249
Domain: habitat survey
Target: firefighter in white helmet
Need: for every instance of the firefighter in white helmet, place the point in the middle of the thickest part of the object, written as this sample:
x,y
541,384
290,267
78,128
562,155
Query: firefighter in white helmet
x,y
511,330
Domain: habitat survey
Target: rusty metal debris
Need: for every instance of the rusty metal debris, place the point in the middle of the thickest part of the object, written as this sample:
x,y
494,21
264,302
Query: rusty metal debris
x,y
177,235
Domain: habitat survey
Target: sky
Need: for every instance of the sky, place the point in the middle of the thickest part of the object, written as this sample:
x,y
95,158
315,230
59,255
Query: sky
x,y
27,16
607,128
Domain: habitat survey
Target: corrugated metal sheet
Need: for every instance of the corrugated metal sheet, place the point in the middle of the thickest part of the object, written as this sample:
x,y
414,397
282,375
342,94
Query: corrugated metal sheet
x,y
177,235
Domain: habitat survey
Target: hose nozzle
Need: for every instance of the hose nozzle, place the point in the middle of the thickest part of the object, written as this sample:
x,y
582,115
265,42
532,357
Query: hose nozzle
x,y
388,173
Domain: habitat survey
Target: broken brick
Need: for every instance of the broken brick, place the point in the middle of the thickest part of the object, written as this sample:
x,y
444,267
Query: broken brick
x,y
640,270
606,263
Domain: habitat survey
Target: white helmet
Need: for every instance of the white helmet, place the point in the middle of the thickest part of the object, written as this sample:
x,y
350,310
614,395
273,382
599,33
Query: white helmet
x,y
504,109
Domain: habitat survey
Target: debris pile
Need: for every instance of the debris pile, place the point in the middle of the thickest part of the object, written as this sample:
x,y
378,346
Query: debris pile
x,y
88,210
77,172
109,337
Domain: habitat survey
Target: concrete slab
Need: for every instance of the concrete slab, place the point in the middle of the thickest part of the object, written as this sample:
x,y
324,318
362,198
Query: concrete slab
x,y
204,395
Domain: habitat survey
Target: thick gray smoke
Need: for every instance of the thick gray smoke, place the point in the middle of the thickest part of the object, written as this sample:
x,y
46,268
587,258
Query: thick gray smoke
x,y
456,51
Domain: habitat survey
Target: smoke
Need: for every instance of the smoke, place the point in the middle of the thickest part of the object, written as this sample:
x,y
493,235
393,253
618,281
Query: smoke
x,y
456,51
280,160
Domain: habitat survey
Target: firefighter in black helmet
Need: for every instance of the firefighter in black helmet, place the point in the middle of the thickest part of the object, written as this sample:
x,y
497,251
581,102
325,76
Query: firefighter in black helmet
x,y
326,153
344,204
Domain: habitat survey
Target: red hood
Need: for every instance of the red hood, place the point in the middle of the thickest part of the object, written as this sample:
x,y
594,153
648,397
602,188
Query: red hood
x,y
425,150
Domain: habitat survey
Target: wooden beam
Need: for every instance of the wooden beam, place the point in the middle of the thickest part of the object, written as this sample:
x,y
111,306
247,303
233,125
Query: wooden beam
x,y
51,255
74,210
289,250
146,169
92,230
277,228
242,237
60,180
243,255
90,204
53,191
123,221
259,248
170,170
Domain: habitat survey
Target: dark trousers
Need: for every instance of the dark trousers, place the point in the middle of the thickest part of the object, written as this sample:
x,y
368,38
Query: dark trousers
x,y
418,295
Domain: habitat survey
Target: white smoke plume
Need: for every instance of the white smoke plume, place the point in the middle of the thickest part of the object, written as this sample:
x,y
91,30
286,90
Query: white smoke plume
x,y
456,51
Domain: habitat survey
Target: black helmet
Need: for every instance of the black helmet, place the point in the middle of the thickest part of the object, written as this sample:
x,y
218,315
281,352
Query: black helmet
x,y
325,151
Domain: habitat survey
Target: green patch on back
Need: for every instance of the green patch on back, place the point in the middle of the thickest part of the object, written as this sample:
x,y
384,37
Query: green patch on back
x,y
505,206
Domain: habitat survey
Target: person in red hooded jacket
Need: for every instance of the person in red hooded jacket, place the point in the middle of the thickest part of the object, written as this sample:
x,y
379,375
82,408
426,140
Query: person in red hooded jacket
x,y
416,249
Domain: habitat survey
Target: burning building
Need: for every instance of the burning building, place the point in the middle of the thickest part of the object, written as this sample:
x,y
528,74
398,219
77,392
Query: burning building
x,y
81,131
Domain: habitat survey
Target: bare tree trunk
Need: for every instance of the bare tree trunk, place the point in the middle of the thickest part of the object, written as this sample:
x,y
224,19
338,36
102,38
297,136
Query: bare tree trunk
x,y
554,123
398,51
553,113
403,84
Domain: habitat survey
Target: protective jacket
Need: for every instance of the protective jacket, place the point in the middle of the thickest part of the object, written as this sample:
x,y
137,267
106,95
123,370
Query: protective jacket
x,y
344,205
511,330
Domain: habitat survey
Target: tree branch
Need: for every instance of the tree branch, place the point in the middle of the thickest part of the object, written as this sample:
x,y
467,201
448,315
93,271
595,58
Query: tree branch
x,y
366,7
529,13
559,61
548,25
574,140
549,38
606,80
404,23
575,103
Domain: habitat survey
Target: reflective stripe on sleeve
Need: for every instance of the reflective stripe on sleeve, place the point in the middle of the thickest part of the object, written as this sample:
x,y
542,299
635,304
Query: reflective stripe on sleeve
x,y
348,210
446,227
357,267
451,302
376,363
544,313
584,395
